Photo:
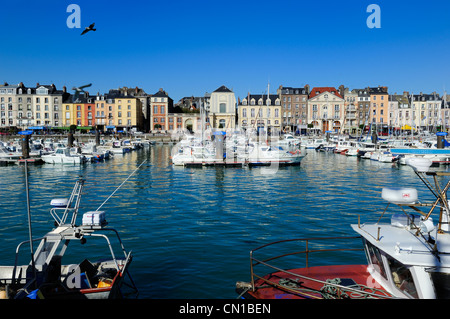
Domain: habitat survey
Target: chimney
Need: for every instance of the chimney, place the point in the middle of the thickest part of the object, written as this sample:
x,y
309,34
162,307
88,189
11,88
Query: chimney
x,y
307,89
64,89
37,84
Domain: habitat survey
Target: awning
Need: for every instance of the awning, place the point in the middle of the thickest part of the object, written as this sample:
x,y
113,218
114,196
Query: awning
x,y
37,128
407,127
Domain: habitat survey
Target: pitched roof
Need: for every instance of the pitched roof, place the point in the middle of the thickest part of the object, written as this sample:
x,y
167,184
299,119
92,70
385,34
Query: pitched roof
x,y
273,98
319,90
291,90
379,90
160,93
223,88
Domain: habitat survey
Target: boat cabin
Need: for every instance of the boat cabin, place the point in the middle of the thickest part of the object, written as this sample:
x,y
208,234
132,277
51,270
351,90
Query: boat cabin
x,y
410,256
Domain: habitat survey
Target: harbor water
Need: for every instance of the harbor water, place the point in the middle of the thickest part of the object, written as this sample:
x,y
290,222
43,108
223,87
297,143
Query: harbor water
x,y
191,229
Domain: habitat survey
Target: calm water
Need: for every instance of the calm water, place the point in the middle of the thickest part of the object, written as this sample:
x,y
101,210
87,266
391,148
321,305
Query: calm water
x,y
191,230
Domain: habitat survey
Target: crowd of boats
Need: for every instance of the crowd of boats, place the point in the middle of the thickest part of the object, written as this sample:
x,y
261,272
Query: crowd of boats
x,y
386,150
239,149
61,152
236,150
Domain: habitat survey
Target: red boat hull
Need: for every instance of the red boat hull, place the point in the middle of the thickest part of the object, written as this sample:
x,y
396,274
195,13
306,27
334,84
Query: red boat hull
x,y
282,285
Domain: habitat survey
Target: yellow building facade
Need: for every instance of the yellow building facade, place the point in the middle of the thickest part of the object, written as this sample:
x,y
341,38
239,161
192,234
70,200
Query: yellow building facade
x,y
128,113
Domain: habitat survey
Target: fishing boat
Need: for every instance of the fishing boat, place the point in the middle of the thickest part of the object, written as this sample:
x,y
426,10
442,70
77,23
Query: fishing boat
x,y
289,140
408,255
266,155
47,277
5,154
63,156
195,155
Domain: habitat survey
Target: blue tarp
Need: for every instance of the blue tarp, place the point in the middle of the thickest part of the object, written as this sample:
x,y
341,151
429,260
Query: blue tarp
x,y
446,144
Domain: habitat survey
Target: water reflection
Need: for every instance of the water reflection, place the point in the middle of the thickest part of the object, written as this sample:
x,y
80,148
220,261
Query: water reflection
x,y
191,229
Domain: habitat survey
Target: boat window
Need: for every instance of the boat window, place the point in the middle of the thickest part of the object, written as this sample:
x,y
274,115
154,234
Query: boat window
x,y
441,283
402,277
375,259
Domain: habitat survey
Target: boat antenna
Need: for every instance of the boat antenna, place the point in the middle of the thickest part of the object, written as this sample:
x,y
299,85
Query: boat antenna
x,y
112,194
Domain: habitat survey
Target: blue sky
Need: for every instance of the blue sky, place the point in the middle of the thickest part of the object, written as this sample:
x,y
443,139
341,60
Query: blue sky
x,y
193,47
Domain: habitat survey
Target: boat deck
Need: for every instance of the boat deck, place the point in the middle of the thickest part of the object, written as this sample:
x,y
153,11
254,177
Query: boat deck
x,y
287,285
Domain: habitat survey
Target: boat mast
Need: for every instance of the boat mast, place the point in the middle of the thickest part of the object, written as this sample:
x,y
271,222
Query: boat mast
x,y
30,233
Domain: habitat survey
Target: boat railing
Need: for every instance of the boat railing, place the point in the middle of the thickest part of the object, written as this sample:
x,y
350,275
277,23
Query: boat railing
x,y
306,252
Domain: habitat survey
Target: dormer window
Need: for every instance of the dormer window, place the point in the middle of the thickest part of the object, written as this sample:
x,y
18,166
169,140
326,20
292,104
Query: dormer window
x,y
42,91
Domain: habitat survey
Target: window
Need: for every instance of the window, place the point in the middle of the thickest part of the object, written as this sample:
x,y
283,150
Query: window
x,y
222,108
402,277
374,256
244,112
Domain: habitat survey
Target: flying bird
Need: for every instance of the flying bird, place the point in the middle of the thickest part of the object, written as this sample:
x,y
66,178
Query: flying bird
x,y
89,28
78,90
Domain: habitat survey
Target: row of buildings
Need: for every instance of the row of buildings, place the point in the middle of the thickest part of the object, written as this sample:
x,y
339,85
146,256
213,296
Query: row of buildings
x,y
291,109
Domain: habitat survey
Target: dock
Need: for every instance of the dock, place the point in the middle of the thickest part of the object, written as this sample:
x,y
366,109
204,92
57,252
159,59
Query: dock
x,y
6,162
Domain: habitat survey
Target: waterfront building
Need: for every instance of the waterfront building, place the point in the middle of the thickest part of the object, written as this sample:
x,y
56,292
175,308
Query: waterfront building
x,y
400,118
16,107
30,108
426,111
363,109
294,108
262,113
48,105
128,114
222,112
145,103
350,125
79,112
160,106
393,112
325,109
445,114
104,113
379,113
188,114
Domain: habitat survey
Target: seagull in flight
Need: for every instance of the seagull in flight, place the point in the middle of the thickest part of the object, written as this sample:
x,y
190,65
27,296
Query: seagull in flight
x,y
89,28
78,90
